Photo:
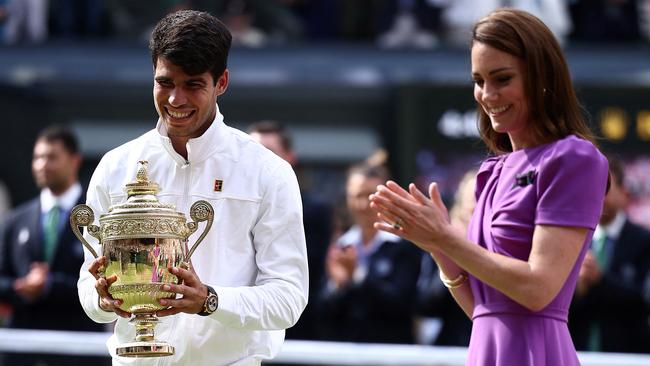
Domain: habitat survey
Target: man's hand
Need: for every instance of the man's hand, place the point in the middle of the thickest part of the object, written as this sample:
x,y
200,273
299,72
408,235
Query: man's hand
x,y
193,292
31,286
106,301
341,264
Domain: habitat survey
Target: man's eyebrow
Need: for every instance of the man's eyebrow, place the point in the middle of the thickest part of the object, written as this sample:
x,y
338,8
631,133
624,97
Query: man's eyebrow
x,y
195,80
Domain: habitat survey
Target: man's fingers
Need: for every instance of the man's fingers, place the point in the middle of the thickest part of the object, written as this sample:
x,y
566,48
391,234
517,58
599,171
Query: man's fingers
x,y
175,306
96,265
107,303
110,280
186,276
102,285
179,289
122,313
168,312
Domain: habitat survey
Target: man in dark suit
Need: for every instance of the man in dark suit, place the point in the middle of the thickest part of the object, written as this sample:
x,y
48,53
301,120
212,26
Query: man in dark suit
x,y
372,275
610,308
317,220
40,256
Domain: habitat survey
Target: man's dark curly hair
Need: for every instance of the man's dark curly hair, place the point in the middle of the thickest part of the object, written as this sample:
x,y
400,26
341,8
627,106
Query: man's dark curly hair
x,y
193,40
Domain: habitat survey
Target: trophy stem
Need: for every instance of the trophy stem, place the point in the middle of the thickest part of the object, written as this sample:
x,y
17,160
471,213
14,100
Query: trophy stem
x,y
145,344
144,327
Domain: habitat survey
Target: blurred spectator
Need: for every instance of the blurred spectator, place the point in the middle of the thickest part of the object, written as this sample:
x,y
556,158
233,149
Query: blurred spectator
x,y
637,182
4,13
40,256
464,201
361,20
413,25
372,275
644,19
458,16
320,18
25,21
5,207
316,219
239,18
255,23
5,202
606,20
434,299
79,18
610,308
136,19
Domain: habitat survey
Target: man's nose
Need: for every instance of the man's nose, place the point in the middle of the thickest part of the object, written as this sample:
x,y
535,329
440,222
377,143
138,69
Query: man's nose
x,y
177,97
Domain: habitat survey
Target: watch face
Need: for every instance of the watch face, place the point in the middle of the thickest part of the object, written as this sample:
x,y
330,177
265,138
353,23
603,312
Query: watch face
x,y
211,303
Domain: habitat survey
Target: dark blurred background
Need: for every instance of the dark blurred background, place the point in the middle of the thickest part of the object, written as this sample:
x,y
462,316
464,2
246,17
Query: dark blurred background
x,y
346,77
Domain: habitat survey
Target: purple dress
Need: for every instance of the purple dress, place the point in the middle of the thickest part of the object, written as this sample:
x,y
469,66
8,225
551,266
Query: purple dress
x,y
562,184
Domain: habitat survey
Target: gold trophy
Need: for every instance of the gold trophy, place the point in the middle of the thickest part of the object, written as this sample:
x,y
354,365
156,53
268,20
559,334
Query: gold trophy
x,y
141,239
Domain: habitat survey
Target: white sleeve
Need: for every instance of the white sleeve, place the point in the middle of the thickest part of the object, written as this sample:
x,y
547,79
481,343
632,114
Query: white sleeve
x,y
281,287
98,199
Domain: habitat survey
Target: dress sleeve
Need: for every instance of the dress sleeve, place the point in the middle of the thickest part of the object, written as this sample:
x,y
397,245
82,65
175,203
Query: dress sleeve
x,y
571,184
484,173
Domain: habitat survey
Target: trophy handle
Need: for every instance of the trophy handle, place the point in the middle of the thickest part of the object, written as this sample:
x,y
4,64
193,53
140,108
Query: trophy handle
x,y
200,211
82,215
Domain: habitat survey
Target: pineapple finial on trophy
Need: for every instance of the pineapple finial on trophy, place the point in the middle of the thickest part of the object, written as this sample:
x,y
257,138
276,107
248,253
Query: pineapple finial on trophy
x,y
142,185
142,176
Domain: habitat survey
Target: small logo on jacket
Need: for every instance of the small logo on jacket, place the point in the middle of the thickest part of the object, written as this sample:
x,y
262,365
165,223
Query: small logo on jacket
x,y
218,185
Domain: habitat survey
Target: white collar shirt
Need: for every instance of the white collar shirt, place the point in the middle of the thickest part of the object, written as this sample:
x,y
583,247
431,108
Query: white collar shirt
x,y
614,228
66,201
354,237
254,255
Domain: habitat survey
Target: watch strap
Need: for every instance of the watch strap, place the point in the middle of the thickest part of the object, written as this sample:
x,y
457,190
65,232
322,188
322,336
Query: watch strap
x,y
211,303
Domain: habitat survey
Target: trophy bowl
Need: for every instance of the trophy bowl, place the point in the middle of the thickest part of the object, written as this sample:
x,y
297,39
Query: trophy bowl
x,y
141,239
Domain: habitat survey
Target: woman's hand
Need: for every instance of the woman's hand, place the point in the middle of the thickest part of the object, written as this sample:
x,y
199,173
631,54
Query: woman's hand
x,y
411,215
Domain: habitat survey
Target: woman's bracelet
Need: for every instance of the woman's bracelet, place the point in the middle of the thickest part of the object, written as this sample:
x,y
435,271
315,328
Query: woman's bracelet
x,y
455,283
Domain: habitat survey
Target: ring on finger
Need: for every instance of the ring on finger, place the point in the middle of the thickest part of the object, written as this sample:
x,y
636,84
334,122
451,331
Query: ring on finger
x,y
397,225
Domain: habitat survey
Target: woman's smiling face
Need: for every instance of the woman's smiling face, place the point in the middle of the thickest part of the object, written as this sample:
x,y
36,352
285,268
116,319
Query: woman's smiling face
x,y
499,89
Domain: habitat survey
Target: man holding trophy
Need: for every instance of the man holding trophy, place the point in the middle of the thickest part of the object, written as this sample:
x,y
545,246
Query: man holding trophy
x,y
248,280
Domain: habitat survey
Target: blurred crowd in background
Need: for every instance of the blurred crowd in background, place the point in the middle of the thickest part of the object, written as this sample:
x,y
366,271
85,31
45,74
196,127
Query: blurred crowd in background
x,y
368,286
421,24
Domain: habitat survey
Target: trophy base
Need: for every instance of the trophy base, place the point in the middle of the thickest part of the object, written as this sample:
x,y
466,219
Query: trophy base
x,y
145,349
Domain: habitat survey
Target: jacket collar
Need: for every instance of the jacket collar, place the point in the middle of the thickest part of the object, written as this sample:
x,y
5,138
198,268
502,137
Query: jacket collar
x,y
213,140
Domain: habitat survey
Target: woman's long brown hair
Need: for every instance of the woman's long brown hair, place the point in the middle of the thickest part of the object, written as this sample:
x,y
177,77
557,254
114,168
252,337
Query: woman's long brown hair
x,y
553,107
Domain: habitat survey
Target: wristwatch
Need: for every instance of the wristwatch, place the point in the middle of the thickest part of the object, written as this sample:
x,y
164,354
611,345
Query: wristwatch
x,y
211,302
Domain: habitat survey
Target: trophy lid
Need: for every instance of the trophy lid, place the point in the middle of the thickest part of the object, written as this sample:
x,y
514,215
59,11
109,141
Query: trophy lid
x,y
141,194
142,215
